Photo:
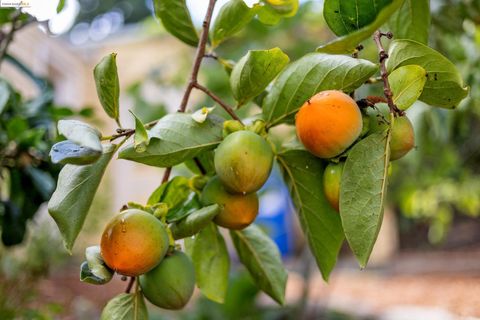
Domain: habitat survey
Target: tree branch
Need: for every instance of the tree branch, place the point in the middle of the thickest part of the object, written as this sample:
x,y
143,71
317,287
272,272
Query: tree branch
x,y
383,71
225,106
7,38
199,56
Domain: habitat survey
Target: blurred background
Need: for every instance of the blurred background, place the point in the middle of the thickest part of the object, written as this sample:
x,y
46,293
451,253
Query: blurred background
x,y
426,263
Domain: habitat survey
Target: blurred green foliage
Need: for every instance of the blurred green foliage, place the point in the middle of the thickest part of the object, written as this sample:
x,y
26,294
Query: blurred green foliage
x,y
441,178
27,132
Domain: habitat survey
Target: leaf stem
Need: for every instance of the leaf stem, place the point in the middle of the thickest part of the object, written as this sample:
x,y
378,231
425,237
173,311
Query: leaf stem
x,y
225,106
377,37
130,285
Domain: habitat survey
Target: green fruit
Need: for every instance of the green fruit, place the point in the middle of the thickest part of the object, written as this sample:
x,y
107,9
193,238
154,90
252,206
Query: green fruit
x,y
237,211
170,285
403,137
243,162
331,183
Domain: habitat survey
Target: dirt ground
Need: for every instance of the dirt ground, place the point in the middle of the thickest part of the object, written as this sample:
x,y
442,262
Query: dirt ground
x,y
423,286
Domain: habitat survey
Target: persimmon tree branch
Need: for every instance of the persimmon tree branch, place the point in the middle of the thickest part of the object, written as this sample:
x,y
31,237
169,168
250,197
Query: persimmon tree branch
x,y
186,96
225,106
7,38
382,55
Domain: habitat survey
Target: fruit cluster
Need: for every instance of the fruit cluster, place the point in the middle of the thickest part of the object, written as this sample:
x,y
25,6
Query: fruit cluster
x,y
137,243
330,122
243,162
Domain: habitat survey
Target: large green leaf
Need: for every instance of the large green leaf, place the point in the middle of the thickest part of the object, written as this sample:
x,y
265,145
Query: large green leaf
x,y
232,17
260,255
172,192
74,194
194,222
108,86
80,133
176,19
444,87
311,74
254,71
176,138
412,21
348,43
363,189
407,84
212,263
319,221
68,152
126,306
344,17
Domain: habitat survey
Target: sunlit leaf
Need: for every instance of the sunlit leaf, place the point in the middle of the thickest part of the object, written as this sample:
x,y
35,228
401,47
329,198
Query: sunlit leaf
x,y
254,71
363,190
260,255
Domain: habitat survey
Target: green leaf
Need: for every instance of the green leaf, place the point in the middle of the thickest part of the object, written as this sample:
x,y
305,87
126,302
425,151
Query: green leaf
x,y
94,270
176,19
363,189
267,15
65,152
206,161
188,206
254,71
344,17
309,75
81,134
172,192
140,139
194,222
319,221
5,91
407,84
176,138
284,8
412,21
260,255
348,43
60,5
126,306
212,263
444,87
108,86
232,17
74,194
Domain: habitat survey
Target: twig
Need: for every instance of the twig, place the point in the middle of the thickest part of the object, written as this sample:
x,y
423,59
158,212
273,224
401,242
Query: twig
x,y
383,70
200,166
7,38
212,55
199,56
225,106
130,285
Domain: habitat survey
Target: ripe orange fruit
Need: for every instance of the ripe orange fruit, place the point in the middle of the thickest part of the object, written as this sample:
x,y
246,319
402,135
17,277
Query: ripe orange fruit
x,y
328,123
331,183
134,242
237,211
243,161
